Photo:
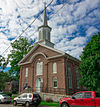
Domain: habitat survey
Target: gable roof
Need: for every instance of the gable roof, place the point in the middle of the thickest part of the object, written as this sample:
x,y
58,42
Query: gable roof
x,y
37,45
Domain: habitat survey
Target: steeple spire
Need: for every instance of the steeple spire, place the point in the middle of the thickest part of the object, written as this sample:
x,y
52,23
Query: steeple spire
x,y
45,16
44,31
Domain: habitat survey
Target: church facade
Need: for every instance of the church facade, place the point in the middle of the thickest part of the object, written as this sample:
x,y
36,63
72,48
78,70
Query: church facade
x,y
46,69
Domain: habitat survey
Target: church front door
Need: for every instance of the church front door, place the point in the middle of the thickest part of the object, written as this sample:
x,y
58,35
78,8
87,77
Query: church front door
x,y
39,85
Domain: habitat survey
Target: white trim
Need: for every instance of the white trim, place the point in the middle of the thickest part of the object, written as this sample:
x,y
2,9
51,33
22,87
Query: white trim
x,y
39,53
54,68
26,72
54,56
61,52
35,46
39,68
55,81
30,61
38,44
24,63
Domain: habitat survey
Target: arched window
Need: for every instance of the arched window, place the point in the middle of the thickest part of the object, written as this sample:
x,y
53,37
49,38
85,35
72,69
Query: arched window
x,y
54,67
54,82
69,78
39,68
77,79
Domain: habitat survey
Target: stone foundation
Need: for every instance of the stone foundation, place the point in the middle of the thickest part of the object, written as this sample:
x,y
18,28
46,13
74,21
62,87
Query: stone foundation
x,y
54,97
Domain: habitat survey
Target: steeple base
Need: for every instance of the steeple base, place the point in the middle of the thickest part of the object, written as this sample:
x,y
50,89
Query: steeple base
x,y
47,43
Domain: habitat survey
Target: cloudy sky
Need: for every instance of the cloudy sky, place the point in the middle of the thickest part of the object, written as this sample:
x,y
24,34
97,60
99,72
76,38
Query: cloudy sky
x,y
72,26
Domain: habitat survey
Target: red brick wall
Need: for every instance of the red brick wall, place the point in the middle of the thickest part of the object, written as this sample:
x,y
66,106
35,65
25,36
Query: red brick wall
x,y
60,74
73,66
62,64
44,50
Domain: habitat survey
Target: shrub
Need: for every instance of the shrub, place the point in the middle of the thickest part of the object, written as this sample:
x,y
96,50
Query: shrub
x,y
14,92
49,100
8,93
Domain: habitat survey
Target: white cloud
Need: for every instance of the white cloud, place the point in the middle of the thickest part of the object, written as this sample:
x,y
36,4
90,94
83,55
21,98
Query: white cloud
x,y
72,28
78,41
76,52
77,18
4,43
91,30
84,7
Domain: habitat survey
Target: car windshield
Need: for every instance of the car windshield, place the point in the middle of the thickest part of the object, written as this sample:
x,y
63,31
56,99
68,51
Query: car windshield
x,y
78,95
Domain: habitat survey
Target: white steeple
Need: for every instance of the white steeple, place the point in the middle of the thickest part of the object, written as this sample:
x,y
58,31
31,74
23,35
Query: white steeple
x,y
45,18
44,32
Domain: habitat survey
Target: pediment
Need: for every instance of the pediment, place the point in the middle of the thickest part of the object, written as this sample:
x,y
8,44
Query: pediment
x,y
39,49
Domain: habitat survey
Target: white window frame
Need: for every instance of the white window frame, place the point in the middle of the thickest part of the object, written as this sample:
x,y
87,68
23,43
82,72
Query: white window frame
x,y
39,68
54,80
69,78
54,68
26,72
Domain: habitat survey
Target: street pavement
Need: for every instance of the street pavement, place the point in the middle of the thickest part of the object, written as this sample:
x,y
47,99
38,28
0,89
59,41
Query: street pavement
x,y
10,105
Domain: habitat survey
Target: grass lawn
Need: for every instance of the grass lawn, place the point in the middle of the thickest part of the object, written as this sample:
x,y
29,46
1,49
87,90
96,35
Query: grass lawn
x,y
43,103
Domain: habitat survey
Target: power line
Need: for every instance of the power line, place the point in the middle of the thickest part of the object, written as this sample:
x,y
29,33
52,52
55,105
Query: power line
x,y
58,10
51,16
28,26
35,20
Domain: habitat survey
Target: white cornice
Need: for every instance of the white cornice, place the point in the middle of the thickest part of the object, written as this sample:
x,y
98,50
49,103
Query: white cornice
x,y
53,49
55,57
35,46
47,58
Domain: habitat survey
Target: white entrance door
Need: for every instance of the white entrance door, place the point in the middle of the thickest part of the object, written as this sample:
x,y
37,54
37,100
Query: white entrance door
x,y
39,83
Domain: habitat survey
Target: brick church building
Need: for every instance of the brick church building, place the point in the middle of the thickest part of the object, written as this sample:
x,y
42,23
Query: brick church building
x,y
46,69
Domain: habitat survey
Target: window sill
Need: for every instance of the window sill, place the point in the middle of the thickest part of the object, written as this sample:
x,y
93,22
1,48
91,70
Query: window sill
x,y
39,74
54,87
54,72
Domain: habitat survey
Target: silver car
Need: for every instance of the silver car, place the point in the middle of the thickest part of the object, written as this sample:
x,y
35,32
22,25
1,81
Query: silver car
x,y
5,98
27,99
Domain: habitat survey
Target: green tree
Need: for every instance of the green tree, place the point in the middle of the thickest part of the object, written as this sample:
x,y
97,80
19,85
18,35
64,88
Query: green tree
x,y
3,75
90,64
3,63
20,48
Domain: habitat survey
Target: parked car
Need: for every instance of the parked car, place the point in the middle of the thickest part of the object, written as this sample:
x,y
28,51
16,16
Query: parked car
x,y
81,99
5,98
27,99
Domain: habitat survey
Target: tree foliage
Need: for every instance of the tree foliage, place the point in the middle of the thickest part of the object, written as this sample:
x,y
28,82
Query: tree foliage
x,y
3,75
3,63
90,64
19,49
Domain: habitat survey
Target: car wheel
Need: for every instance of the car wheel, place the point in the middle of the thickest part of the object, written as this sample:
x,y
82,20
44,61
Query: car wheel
x,y
36,105
27,104
15,103
64,105
9,102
